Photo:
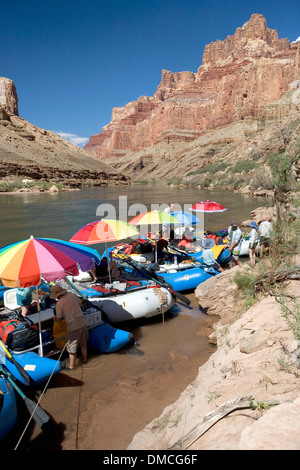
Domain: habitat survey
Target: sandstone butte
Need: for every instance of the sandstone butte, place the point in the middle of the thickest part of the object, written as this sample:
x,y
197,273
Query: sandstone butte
x,y
238,81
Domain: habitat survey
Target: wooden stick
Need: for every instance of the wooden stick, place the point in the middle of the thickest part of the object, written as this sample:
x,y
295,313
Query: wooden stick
x,y
207,421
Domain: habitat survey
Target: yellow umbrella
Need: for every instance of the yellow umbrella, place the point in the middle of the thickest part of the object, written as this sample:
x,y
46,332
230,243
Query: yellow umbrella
x,y
154,218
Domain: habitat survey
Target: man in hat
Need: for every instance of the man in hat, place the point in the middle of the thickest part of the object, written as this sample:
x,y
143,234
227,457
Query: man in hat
x,y
235,242
68,308
208,255
253,242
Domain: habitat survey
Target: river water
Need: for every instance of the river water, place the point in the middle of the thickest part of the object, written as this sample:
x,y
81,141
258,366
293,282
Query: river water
x,y
60,215
101,405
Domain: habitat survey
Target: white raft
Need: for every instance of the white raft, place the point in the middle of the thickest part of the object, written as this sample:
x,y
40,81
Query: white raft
x,y
140,302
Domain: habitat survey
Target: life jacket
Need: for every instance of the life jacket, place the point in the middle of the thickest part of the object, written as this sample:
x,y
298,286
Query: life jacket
x,y
218,239
125,248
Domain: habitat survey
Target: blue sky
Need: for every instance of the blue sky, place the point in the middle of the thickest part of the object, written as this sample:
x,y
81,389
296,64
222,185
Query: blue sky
x,y
73,61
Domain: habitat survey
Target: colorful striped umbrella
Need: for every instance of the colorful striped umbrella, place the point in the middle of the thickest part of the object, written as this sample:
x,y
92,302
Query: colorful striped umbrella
x,y
104,230
22,264
153,218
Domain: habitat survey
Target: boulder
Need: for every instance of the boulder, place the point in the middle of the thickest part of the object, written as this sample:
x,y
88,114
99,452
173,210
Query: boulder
x,y
278,429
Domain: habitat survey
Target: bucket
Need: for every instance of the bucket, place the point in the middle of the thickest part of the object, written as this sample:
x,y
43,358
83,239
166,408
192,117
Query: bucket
x,y
59,330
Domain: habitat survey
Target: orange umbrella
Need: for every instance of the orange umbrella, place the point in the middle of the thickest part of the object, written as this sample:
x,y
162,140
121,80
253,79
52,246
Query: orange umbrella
x,y
103,231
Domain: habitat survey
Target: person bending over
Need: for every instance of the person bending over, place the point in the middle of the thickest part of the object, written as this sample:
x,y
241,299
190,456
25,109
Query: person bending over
x,y
68,308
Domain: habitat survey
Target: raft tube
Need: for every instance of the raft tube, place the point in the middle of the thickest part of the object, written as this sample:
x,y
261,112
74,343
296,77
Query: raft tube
x,y
38,368
223,257
105,338
8,408
187,279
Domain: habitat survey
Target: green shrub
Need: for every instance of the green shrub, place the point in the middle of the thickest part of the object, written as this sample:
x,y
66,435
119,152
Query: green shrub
x,y
261,178
210,168
243,166
243,282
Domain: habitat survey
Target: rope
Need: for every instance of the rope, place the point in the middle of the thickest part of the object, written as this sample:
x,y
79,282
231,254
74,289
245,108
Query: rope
x,y
78,413
47,383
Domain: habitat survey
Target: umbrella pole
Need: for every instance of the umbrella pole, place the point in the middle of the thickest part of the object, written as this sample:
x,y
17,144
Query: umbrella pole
x,y
108,262
40,325
156,236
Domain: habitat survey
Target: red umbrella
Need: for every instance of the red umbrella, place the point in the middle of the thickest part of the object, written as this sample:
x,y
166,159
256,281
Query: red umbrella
x,y
208,206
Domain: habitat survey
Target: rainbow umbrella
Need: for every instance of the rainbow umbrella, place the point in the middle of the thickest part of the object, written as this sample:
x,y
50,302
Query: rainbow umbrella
x,y
154,218
103,231
22,264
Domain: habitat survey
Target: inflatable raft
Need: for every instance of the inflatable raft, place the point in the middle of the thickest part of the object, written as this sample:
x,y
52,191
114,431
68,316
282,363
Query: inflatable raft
x,y
187,279
221,253
8,407
38,368
105,338
34,358
184,274
144,302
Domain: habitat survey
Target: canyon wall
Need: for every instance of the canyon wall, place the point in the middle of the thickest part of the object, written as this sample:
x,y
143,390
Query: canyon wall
x,y
238,78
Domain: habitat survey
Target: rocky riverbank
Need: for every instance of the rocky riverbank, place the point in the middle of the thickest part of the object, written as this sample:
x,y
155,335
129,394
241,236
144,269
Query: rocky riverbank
x,y
255,358
247,395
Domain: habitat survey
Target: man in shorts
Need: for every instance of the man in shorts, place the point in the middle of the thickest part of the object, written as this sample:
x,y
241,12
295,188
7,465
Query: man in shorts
x,y
265,229
68,308
235,241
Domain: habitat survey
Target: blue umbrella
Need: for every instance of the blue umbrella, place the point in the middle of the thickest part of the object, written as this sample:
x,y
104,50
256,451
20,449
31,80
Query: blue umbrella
x,y
185,218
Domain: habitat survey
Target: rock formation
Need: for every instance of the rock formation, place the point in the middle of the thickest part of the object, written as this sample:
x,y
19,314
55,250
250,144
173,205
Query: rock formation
x,y
28,151
8,96
239,78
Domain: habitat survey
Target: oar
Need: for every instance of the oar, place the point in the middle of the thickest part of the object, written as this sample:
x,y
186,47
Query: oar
x,y
38,414
147,273
18,366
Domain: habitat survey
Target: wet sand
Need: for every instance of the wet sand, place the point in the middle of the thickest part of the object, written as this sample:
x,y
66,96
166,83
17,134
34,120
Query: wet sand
x,y
104,403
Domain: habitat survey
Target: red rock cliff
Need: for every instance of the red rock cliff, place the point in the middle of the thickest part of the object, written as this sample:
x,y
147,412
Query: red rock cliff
x,y
238,77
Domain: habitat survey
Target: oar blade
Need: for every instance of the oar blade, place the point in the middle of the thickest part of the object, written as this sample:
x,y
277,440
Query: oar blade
x,y
40,416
